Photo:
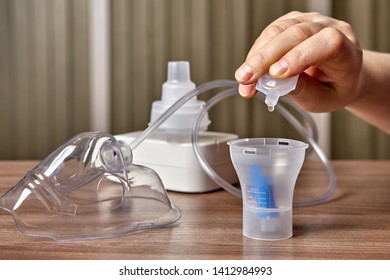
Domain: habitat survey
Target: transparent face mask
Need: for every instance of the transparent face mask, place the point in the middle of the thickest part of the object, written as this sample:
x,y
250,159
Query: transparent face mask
x,y
88,188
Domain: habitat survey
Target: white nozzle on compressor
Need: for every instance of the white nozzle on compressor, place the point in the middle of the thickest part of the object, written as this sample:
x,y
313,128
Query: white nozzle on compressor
x,y
177,85
178,81
273,88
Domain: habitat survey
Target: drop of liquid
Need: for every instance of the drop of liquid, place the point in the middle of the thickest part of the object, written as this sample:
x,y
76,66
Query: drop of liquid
x,y
271,108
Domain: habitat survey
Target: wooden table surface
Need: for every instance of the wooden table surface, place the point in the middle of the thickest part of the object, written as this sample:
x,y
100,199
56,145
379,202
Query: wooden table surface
x,y
354,224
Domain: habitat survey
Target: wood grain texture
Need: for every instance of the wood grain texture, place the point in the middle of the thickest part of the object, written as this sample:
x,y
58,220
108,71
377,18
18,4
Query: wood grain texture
x,y
354,224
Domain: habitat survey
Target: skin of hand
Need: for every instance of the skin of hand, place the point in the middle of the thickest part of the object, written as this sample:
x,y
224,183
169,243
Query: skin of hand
x,y
334,71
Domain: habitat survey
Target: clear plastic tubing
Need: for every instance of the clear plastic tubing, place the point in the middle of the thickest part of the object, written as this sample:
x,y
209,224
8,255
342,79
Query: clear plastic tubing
x,y
309,134
195,92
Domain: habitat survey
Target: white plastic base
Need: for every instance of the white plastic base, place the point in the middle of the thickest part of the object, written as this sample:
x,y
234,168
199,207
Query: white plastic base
x,y
177,165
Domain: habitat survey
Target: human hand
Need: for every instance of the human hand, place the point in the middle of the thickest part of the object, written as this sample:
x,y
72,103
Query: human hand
x,y
324,51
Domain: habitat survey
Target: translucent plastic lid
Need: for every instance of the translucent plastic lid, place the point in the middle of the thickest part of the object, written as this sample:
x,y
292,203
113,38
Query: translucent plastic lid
x,y
273,88
86,189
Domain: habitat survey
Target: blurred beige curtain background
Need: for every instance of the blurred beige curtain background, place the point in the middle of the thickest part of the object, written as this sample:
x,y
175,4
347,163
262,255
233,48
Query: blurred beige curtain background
x,y
351,137
44,74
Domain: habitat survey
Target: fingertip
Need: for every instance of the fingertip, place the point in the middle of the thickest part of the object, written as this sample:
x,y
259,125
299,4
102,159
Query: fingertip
x,y
279,68
244,73
247,91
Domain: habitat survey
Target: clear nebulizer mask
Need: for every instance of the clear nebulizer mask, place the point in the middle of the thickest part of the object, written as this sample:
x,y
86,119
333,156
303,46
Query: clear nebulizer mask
x,y
88,188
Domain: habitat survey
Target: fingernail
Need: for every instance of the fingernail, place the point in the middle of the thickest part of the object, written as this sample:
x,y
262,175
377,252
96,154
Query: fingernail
x,y
246,90
244,73
278,68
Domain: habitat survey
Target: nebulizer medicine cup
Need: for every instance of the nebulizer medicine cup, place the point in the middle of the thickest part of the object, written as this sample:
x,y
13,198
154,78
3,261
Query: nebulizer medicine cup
x,y
267,169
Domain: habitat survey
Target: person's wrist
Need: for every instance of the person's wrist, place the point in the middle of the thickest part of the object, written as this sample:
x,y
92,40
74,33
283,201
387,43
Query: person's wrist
x,y
364,81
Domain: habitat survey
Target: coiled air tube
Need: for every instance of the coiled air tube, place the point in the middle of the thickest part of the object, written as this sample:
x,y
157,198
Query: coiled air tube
x,y
305,133
309,134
